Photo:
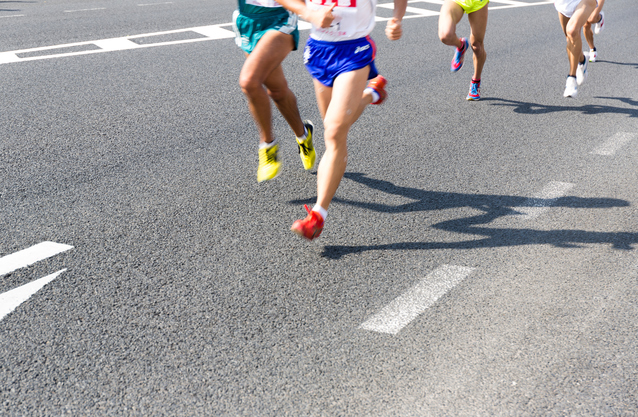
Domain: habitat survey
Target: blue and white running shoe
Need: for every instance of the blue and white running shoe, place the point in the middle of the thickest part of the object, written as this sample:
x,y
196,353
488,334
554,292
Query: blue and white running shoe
x,y
459,55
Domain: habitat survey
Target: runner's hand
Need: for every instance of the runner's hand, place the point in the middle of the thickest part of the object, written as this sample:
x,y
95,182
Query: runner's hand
x,y
322,18
394,29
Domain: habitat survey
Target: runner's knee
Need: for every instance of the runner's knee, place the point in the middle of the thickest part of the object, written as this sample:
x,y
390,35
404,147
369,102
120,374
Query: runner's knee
x,y
249,84
448,37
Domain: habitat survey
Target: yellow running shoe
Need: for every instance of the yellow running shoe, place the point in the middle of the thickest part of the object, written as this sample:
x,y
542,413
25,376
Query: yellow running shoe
x,y
269,164
306,150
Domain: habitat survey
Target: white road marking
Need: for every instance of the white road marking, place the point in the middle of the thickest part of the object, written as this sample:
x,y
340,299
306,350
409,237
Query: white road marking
x,y
537,205
30,256
415,10
520,4
212,32
614,143
12,15
116,44
512,3
155,4
405,308
85,10
10,300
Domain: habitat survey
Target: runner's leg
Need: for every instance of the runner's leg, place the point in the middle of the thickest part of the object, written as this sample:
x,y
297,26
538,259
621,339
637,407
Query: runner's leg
x,y
572,28
593,19
478,25
263,68
340,106
450,15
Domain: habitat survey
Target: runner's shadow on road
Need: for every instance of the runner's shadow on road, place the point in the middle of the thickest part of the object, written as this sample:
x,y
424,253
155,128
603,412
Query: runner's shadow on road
x,y
492,208
12,2
629,64
535,108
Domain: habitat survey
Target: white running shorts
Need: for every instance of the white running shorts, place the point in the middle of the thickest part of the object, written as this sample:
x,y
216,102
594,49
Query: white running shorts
x,y
566,7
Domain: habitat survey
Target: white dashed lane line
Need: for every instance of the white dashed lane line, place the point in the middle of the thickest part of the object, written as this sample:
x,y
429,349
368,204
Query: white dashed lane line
x,y
615,143
154,4
85,10
405,308
541,202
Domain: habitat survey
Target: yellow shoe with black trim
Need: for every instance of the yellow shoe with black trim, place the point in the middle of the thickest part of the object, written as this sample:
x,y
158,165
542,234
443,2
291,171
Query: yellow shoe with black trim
x,y
269,164
306,150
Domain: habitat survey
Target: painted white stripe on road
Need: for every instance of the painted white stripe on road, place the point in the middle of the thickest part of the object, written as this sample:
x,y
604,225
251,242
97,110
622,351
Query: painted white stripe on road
x,y
7,57
155,4
438,2
405,308
85,10
512,3
415,10
30,256
520,4
12,15
216,33
535,206
116,44
614,143
10,300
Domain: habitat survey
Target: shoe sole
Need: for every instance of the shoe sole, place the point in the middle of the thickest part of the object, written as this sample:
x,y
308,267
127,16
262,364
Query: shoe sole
x,y
300,233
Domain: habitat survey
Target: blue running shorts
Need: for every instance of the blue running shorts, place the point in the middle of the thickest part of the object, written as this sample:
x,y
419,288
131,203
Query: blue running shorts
x,y
325,61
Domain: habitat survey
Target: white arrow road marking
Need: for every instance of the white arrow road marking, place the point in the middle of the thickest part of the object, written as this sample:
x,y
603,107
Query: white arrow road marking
x,y
30,256
10,300
405,308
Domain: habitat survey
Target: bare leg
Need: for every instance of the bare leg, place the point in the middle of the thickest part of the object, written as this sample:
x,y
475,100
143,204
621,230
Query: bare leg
x,y
593,18
478,24
341,106
450,16
262,77
572,27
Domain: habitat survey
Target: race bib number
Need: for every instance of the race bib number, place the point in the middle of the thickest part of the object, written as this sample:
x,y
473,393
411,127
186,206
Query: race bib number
x,y
263,3
345,14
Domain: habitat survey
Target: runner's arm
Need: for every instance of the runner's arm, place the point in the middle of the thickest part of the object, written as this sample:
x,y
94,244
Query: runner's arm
x,y
394,29
320,18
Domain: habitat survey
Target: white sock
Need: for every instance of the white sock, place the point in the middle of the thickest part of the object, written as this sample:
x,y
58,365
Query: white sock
x,y
321,210
305,135
263,145
375,95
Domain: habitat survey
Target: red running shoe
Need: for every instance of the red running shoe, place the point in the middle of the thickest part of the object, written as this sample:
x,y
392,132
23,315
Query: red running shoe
x,y
378,84
310,227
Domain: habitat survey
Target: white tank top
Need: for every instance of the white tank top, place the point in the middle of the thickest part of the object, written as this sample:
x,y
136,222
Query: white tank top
x,y
354,19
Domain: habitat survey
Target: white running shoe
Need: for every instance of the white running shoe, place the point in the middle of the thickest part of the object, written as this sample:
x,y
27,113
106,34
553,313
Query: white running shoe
x,y
592,55
581,72
598,27
571,87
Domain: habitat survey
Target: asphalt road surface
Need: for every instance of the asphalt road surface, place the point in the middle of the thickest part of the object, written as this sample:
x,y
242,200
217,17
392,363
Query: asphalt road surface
x,y
479,258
